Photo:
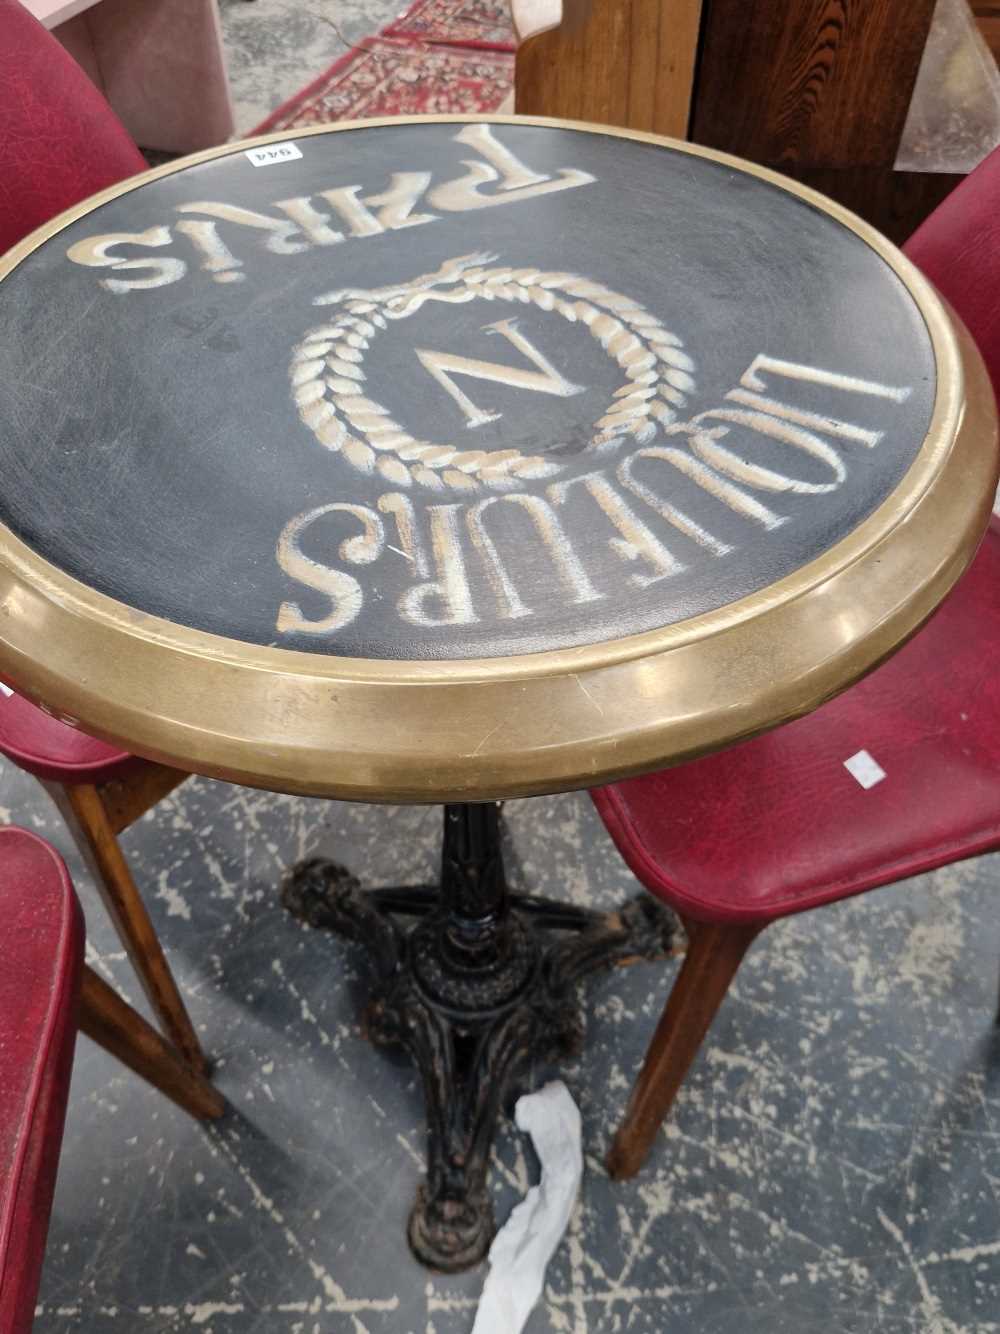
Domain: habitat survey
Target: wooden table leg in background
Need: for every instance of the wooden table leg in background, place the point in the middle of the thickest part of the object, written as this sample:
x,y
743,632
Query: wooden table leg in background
x,y
115,1026
618,64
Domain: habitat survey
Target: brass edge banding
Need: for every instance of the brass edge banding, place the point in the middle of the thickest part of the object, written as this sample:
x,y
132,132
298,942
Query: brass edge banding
x,y
262,715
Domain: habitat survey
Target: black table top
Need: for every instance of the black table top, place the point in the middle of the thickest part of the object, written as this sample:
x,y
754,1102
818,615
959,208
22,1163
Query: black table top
x,y
445,391
444,458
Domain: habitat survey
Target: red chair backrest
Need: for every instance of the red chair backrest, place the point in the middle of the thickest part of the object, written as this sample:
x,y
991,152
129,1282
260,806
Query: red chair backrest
x,y
40,965
958,248
59,139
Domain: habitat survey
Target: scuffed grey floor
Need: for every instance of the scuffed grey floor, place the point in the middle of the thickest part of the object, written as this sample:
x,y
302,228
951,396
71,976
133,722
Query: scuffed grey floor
x,y
833,1163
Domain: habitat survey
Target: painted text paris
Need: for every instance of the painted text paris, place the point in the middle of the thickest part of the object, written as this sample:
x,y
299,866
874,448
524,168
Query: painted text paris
x,y
328,217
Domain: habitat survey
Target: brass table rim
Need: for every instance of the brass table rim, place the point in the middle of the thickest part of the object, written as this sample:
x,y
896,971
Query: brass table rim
x,y
197,730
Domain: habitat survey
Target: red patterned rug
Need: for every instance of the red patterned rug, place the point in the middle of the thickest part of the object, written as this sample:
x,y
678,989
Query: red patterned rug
x,y
386,76
483,23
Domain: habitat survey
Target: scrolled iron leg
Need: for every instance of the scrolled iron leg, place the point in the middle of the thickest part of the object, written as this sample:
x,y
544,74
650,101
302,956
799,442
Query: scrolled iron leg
x,y
451,1225
641,929
324,894
476,992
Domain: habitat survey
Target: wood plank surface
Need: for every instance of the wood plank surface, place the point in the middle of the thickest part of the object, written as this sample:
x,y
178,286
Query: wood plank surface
x,y
619,64
824,83
126,798
987,18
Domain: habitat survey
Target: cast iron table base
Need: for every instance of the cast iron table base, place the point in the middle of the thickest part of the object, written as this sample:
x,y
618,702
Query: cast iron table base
x,y
477,991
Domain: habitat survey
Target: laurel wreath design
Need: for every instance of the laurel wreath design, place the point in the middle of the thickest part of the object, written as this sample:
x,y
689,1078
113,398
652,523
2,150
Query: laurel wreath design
x,y
328,378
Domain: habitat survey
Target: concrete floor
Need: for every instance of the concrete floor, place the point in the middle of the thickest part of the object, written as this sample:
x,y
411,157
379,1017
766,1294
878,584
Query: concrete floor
x,y
833,1163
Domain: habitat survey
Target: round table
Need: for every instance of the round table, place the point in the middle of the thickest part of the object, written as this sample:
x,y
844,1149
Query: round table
x,y
451,460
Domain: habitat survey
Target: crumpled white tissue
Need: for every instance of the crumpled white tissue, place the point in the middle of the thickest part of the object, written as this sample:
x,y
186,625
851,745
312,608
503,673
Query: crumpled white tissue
x,y
522,1248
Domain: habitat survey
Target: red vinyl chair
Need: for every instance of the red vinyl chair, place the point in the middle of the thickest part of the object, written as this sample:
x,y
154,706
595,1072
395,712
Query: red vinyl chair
x,y
46,991
738,839
59,139
59,143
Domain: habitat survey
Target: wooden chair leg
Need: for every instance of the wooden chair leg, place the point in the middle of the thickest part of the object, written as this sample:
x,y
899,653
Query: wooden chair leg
x,y
85,814
116,1027
713,956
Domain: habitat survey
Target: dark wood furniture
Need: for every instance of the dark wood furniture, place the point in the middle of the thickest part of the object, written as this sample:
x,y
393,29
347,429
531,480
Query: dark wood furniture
x,y
816,89
987,17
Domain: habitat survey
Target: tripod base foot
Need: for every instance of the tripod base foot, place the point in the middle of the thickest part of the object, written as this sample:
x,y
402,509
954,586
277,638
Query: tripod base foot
x,y
474,1022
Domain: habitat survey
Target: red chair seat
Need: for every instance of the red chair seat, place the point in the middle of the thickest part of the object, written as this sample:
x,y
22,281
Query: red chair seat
x,y
39,981
777,825
957,248
54,751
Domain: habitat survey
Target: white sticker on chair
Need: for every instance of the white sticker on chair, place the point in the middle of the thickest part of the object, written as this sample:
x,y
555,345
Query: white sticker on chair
x,y
268,154
5,690
865,768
